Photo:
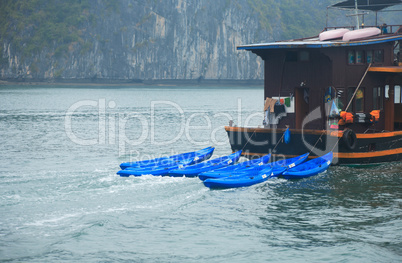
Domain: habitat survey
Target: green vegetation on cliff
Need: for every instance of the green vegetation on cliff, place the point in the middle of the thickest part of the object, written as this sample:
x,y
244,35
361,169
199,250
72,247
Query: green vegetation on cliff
x,y
296,18
33,25
302,18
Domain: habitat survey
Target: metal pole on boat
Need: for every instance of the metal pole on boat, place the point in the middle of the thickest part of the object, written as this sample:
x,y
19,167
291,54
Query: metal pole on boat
x,y
357,88
357,15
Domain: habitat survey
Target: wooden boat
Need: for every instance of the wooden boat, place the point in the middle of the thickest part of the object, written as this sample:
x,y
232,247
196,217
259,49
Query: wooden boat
x,y
195,169
198,156
310,168
240,181
304,78
361,33
332,34
278,168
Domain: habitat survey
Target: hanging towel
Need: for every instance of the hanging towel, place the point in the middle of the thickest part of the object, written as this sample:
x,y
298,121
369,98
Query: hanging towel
x,y
269,104
287,102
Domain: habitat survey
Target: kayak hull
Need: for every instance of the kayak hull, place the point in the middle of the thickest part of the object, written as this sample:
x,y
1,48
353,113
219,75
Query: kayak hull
x,y
361,33
333,34
196,169
309,168
139,172
278,168
235,169
239,181
162,169
198,156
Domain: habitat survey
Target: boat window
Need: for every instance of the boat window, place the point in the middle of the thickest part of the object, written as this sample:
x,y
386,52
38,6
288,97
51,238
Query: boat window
x,y
351,57
359,57
397,94
369,56
356,57
360,100
378,56
377,99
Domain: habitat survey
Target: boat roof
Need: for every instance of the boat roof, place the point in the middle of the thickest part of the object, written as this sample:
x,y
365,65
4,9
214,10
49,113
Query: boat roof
x,y
372,5
316,43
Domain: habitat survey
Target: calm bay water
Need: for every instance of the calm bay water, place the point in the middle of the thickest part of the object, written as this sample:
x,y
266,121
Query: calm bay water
x,y
61,200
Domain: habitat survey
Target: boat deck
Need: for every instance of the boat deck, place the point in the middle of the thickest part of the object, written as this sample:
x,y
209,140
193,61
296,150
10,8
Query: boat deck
x,y
315,42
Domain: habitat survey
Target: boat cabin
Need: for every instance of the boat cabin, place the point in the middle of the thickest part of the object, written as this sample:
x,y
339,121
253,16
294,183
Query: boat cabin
x,y
310,73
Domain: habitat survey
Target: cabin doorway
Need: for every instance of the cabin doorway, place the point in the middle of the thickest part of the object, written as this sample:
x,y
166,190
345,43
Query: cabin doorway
x,y
397,108
301,105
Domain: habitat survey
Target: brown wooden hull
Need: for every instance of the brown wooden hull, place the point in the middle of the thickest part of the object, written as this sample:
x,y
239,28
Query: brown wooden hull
x,y
368,148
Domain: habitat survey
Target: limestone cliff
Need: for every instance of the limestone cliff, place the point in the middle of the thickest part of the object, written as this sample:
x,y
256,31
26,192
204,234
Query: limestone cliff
x,y
137,40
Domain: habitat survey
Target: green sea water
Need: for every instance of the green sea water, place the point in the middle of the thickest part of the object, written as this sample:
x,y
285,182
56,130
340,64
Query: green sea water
x,y
61,200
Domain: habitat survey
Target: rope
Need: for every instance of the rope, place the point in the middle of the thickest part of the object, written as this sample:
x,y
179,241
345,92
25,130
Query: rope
x,y
247,141
272,149
319,139
281,139
336,144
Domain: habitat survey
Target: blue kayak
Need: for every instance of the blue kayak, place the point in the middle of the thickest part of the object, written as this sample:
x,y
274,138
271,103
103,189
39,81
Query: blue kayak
x,y
282,165
255,176
278,168
196,169
239,181
164,167
309,168
154,170
229,170
198,156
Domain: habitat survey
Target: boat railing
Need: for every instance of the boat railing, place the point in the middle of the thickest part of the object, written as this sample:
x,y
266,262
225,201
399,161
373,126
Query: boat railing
x,y
390,29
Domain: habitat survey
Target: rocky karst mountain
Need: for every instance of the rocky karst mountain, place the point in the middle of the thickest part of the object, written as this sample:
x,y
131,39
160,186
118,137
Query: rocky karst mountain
x,y
136,40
